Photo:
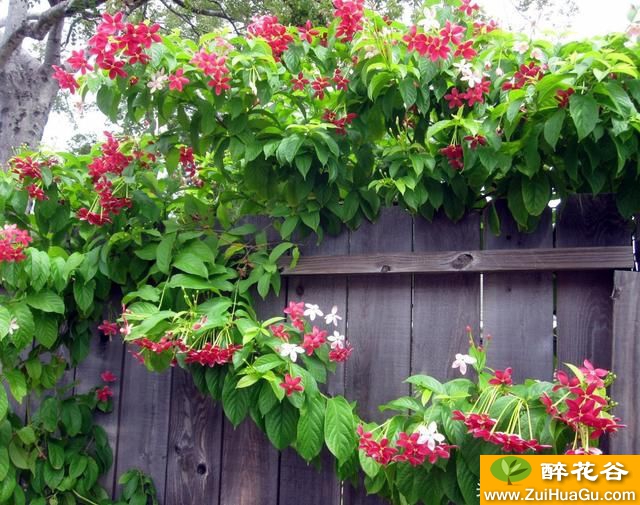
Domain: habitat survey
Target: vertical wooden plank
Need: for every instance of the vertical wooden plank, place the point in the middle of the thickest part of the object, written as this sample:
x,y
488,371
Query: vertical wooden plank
x,y
320,487
379,327
105,354
195,444
144,422
250,464
626,354
518,307
443,305
584,306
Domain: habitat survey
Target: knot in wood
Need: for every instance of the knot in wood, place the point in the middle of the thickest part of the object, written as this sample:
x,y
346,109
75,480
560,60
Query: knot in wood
x,y
462,261
385,269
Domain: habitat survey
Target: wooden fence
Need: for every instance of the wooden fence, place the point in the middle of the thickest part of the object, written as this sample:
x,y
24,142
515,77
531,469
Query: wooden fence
x,y
542,306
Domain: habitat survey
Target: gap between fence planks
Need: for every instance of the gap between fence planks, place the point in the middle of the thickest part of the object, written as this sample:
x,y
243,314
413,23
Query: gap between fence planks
x,y
505,260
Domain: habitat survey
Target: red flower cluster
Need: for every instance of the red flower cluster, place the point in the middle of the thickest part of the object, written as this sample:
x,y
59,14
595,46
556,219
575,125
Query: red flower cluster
x,y
481,28
279,332
211,355
296,312
314,340
454,154
36,192
215,67
340,354
340,80
65,79
439,47
12,243
468,6
275,34
412,451
28,168
562,97
350,13
502,377
340,123
299,83
291,384
117,43
189,167
107,376
473,95
104,393
380,452
526,73
108,329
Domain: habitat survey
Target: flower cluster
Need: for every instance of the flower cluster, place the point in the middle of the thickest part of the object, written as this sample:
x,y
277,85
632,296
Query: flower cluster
x,y
112,161
454,154
583,405
13,241
105,393
423,444
29,171
275,34
439,46
562,97
525,74
215,67
312,337
350,13
340,123
189,167
474,94
211,355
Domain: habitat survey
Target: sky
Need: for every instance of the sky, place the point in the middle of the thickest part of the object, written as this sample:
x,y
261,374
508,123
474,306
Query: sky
x,y
595,17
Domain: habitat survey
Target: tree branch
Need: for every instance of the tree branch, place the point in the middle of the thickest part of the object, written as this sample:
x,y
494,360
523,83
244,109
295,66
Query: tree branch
x,y
52,51
209,12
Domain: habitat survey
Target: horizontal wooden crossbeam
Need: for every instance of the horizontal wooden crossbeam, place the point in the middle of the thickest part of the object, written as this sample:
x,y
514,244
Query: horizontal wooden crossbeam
x,y
511,260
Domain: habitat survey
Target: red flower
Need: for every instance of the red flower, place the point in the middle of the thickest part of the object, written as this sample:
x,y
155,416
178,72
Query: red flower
x,y
454,154
468,6
314,340
350,13
220,84
564,381
341,81
291,384
111,24
299,83
319,84
454,98
475,140
381,451
275,34
25,167
78,61
340,354
438,48
108,329
13,241
593,375
210,355
502,377
307,32
279,332
452,33
295,310
416,41
466,50
36,192
562,97
177,80
113,66
525,74
107,376
65,79
104,394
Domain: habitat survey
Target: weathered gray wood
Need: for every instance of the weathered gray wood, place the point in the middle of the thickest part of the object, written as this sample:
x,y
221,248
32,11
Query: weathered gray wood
x,y
456,261
444,304
379,327
195,444
250,464
584,306
144,422
626,355
321,487
518,307
104,354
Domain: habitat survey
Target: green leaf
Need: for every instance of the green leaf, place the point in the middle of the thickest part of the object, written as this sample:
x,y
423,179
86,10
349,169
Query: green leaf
x,y
402,404
267,362
584,112
56,454
4,403
516,202
235,402
24,335
83,294
536,193
47,325
4,463
289,147
18,455
311,219
191,264
340,429
288,226
408,91
38,269
46,301
163,253
27,435
77,466
311,428
17,384
280,424
553,127
5,321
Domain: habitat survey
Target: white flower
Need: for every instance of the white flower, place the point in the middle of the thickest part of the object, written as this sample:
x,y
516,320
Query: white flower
x,y
333,317
312,311
429,20
337,340
464,67
499,72
473,78
633,32
430,435
291,351
461,362
521,47
537,53
13,326
158,81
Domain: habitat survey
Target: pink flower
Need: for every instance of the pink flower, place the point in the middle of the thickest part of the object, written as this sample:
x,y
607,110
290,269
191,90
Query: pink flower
x,y
107,376
291,384
65,79
104,394
502,377
298,83
78,61
177,80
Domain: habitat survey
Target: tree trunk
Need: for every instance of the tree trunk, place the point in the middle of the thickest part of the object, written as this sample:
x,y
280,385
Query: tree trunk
x,y
27,92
